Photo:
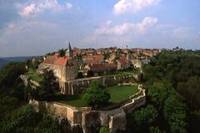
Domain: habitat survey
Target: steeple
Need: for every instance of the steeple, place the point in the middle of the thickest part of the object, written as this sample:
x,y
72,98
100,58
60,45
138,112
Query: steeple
x,y
69,47
69,50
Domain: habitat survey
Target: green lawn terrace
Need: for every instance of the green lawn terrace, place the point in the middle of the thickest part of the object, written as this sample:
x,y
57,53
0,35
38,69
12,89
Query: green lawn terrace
x,y
118,93
121,93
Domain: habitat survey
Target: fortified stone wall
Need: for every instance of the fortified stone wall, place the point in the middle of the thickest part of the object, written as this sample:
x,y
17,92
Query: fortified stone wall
x,y
89,120
74,87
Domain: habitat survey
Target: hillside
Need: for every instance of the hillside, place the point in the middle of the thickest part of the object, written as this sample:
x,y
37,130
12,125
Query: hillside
x,y
171,81
6,60
2,62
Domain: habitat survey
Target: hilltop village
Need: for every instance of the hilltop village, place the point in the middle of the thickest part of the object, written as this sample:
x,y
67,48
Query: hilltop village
x,y
71,64
89,89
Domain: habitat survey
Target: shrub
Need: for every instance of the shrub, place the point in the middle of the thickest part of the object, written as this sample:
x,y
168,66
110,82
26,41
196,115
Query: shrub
x,y
104,130
96,96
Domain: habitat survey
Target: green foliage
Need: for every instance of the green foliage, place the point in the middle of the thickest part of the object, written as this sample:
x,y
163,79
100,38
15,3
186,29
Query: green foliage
x,y
7,104
11,86
172,79
62,52
95,95
90,73
175,113
10,73
106,56
18,91
34,63
104,130
48,87
155,130
34,75
164,97
191,90
25,120
80,75
145,115
14,116
141,119
194,121
158,92
181,69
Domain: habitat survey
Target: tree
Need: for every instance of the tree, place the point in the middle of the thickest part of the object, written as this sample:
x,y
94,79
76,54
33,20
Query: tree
x,y
10,73
26,120
95,95
90,73
104,130
62,52
154,130
145,115
80,75
141,119
194,122
175,113
106,56
158,92
48,87
191,90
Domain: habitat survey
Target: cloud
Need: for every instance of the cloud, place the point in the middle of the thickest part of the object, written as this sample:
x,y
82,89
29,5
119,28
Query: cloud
x,y
110,34
127,27
35,7
132,6
186,35
36,37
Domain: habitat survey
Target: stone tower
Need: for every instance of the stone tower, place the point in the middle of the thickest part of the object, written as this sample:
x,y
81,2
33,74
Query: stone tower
x,y
69,51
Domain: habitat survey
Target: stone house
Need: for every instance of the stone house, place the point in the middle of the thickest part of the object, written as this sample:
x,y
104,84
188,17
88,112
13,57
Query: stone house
x,y
100,68
136,63
93,59
123,63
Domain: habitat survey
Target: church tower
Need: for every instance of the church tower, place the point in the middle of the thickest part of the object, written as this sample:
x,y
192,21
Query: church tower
x,y
69,51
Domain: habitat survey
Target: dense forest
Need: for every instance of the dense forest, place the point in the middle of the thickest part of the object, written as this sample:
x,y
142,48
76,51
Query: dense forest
x,y
173,105
16,116
172,84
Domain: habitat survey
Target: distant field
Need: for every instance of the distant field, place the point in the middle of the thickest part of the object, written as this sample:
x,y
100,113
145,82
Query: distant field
x,y
6,60
118,94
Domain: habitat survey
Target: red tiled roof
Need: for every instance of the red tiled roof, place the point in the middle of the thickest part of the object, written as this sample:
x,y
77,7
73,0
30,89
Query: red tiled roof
x,y
61,60
56,60
102,67
93,59
123,60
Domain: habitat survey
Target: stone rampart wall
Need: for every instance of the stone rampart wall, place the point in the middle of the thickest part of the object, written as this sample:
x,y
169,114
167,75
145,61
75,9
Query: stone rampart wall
x,y
89,120
72,114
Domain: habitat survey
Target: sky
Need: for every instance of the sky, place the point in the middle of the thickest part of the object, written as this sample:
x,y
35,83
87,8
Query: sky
x,y
35,27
